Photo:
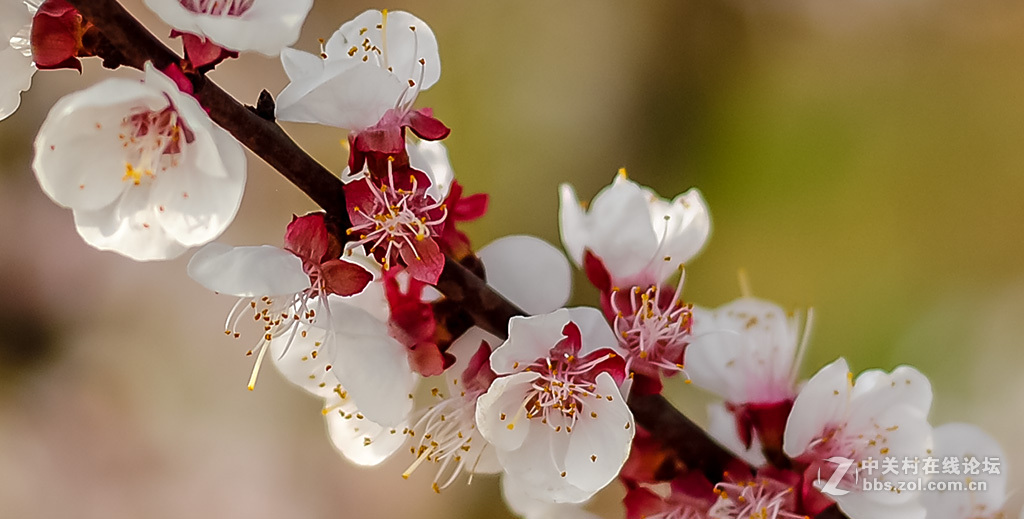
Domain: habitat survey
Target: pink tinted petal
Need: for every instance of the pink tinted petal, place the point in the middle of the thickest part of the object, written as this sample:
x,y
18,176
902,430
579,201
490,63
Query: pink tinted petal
x,y
426,262
344,278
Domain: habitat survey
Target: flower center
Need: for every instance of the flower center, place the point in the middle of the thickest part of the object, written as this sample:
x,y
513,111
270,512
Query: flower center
x,y
151,142
653,325
396,218
754,500
218,7
560,392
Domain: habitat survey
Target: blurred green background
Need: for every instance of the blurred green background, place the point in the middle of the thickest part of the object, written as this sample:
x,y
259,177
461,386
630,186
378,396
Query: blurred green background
x,y
861,157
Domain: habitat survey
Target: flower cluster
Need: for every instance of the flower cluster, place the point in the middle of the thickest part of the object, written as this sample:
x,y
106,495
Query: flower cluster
x,y
350,307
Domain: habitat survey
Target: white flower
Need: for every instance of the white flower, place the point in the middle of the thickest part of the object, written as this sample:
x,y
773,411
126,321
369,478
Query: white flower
x,y
880,415
310,333
640,238
747,351
535,276
555,415
264,26
446,433
15,54
967,442
378,61
142,166
527,507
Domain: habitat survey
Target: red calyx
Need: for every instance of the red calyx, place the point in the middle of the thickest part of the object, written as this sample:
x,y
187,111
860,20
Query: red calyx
x,y
387,137
307,238
56,38
413,324
201,52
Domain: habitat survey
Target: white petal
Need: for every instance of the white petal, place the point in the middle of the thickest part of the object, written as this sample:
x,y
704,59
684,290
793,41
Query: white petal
x,y
821,403
248,271
620,231
860,505
355,98
529,339
683,226
301,66
200,197
128,227
881,390
502,406
529,272
572,223
361,441
371,365
267,27
537,467
17,78
600,441
401,50
431,157
297,355
722,427
744,351
525,506
964,440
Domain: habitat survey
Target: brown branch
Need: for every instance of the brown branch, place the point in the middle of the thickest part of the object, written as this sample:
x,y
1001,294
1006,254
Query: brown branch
x,y
135,45
697,451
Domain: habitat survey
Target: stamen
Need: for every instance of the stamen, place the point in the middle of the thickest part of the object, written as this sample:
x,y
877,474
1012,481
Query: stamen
x,y
256,367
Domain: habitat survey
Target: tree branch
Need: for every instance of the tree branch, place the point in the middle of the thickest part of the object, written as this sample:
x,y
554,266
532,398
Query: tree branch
x,y
264,137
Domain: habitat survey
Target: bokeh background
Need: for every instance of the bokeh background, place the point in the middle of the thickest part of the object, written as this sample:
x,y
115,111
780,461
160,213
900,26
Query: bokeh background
x,y
862,157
